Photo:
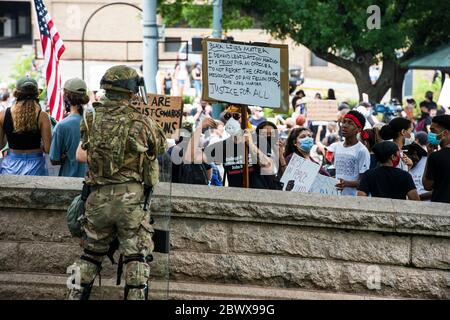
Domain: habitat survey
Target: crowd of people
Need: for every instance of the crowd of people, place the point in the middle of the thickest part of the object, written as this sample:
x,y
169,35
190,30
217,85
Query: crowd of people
x,y
405,158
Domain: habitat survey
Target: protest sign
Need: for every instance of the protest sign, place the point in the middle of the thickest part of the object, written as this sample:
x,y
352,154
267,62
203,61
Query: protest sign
x,y
246,74
324,185
444,98
323,110
299,175
166,111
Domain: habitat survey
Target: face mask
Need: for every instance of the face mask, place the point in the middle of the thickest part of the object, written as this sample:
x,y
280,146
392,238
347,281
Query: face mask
x,y
396,161
233,127
410,140
433,139
306,144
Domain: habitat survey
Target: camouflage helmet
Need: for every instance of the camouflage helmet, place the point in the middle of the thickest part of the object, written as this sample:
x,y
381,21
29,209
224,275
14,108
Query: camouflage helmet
x,y
121,79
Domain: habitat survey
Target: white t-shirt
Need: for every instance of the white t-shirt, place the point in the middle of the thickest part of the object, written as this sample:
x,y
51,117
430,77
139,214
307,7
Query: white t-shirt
x,y
350,162
417,174
402,165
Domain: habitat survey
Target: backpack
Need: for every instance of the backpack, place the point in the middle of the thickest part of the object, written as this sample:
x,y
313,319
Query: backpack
x,y
108,137
193,174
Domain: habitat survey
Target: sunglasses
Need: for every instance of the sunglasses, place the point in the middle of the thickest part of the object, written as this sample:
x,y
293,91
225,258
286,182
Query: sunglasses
x,y
236,116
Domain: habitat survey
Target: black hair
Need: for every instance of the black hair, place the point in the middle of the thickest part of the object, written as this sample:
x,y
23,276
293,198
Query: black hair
x,y
265,123
424,104
261,126
422,137
443,121
384,150
300,91
294,101
76,99
331,95
372,137
291,140
393,129
5,96
359,116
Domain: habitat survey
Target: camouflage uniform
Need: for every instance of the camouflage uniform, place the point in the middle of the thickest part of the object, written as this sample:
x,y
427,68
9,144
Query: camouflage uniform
x,y
121,145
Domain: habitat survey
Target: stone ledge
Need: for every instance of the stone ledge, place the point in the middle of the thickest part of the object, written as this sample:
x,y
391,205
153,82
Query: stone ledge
x,y
310,274
52,287
237,204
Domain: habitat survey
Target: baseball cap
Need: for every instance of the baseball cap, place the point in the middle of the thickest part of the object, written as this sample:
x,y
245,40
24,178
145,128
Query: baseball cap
x,y
75,85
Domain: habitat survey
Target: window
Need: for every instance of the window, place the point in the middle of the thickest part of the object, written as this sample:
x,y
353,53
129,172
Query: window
x,y
317,62
171,44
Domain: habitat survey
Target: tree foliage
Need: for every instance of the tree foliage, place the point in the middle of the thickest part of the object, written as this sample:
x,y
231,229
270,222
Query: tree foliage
x,y
189,13
337,31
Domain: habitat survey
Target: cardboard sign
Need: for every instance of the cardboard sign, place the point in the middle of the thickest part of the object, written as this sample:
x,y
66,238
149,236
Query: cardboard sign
x,y
444,97
325,185
323,110
299,175
246,74
167,111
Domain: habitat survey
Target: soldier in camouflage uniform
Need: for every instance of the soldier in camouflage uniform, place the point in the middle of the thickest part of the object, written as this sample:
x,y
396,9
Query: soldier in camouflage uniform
x,y
121,146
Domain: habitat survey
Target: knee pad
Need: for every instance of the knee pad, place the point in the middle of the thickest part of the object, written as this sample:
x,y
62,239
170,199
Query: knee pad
x,y
137,272
84,271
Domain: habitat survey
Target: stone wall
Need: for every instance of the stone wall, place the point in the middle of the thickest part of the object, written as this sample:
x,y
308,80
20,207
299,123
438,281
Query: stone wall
x,y
234,243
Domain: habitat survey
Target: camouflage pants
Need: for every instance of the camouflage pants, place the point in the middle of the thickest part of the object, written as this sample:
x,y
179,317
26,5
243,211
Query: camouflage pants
x,y
115,211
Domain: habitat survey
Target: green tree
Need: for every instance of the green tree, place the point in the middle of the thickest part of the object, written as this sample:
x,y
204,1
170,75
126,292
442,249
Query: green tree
x,y
190,13
337,31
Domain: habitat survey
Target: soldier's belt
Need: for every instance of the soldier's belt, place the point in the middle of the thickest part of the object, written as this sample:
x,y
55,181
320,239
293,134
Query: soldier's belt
x,y
131,186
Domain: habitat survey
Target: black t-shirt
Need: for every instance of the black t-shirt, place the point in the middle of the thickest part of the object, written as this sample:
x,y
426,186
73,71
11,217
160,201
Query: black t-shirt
x,y
231,155
387,182
439,172
176,166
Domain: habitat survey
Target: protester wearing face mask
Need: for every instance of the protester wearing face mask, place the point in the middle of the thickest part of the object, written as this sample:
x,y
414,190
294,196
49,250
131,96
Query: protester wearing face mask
x,y
231,152
387,181
268,142
300,142
418,156
399,130
437,171
351,158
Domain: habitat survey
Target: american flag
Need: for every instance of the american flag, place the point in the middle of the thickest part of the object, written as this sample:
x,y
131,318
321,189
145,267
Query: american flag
x,y
52,48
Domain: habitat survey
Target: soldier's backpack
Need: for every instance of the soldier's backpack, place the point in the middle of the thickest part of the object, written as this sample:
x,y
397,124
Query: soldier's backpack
x,y
108,137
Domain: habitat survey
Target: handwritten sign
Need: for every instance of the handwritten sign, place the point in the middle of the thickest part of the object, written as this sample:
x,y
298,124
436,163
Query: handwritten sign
x,y
325,110
324,185
299,175
245,74
444,97
167,111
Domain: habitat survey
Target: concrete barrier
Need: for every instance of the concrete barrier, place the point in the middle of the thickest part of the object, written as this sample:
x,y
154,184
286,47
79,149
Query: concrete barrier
x,y
232,243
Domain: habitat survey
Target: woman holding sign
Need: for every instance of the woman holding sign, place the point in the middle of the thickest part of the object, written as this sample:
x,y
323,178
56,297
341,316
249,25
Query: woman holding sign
x,y
300,142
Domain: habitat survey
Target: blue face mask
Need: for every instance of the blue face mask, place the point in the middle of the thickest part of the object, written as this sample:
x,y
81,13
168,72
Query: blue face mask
x,y
306,144
433,139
